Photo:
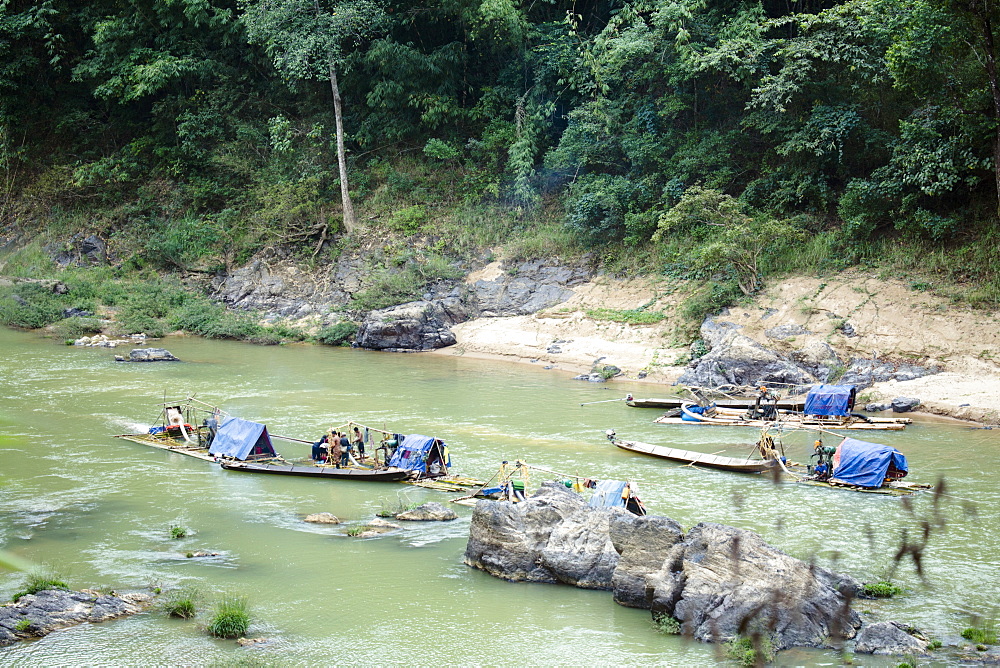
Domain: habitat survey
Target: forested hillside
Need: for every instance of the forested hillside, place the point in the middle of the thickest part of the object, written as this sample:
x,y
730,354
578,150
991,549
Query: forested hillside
x,y
695,137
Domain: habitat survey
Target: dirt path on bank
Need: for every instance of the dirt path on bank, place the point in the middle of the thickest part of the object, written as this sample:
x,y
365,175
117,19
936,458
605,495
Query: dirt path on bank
x,y
890,321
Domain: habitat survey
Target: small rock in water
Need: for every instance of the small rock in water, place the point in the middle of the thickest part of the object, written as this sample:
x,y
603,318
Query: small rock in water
x,y
151,355
431,511
322,518
890,638
250,642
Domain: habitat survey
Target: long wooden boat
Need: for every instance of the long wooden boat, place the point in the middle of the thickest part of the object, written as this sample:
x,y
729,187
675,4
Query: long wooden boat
x,y
314,471
787,403
735,418
736,464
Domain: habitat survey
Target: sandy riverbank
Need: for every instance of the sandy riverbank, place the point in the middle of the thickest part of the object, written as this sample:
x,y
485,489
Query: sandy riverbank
x,y
890,321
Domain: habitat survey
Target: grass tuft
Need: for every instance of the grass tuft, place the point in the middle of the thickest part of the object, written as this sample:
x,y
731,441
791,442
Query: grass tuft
x,y
182,603
231,619
36,582
881,589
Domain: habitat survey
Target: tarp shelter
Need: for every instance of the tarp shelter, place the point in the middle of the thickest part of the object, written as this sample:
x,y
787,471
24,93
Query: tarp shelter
x,y
867,464
830,400
420,453
617,494
242,439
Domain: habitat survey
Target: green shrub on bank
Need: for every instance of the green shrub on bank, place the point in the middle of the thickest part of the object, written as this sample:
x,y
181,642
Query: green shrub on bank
x,y
337,334
38,581
231,619
30,305
750,651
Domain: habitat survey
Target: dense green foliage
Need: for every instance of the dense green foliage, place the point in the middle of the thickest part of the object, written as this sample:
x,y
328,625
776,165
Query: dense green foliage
x,y
881,589
712,139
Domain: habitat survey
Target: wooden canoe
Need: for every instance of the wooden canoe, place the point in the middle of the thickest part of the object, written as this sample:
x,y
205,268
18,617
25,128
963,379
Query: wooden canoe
x,y
736,418
327,472
737,464
737,403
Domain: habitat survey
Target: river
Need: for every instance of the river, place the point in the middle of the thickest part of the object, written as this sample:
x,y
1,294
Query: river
x,y
99,510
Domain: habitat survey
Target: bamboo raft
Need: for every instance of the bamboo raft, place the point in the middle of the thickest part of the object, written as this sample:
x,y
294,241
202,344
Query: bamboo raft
x,y
163,441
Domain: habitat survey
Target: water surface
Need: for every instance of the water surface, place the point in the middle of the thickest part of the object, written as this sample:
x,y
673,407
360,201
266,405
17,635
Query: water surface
x,y
99,509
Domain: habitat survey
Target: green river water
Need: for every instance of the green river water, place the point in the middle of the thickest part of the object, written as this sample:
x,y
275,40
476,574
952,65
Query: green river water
x,y
98,509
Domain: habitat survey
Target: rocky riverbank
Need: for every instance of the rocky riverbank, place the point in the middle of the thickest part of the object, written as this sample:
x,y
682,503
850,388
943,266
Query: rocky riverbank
x,y
889,337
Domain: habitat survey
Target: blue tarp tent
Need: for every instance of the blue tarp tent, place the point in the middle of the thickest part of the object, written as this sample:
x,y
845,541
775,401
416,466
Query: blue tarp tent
x,y
418,453
242,439
830,400
617,494
867,464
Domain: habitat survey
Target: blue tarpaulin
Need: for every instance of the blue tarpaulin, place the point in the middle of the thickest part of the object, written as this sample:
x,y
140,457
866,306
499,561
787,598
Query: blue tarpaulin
x,y
608,494
867,464
242,439
830,400
414,453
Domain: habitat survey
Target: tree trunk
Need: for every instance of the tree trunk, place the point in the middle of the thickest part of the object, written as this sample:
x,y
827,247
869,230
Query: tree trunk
x,y
350,222
991,71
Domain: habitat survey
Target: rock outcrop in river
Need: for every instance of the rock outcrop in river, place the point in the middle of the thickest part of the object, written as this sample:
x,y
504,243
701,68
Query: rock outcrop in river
x,y
715,580
37,615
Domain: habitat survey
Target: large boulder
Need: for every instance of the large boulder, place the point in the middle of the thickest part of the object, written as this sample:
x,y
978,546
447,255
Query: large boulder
x,y
890,638
864,372
819,359
507,539
722,579
736,359
81,250
642,543
419,325
716,580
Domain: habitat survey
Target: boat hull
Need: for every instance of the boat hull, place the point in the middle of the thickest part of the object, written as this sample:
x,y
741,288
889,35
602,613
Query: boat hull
x,y
734,464
327,472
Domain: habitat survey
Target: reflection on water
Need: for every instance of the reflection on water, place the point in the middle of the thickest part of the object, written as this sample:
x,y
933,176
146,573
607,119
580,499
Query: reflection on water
x,y
99,509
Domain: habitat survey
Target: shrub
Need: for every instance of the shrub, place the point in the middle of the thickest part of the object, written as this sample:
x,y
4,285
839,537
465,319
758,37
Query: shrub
x,y
881,589
36,582
177,532
29,306
181,603
337,334
22,625
391,511
667,625
356,531
750,651
231,619
410,219
74,328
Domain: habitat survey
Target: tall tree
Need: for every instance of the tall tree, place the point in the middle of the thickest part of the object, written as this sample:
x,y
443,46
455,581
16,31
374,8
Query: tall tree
x,y
312,39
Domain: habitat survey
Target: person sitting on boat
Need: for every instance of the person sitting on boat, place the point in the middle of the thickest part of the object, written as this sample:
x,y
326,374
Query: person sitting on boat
x,y
345,450
319,450
359,443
